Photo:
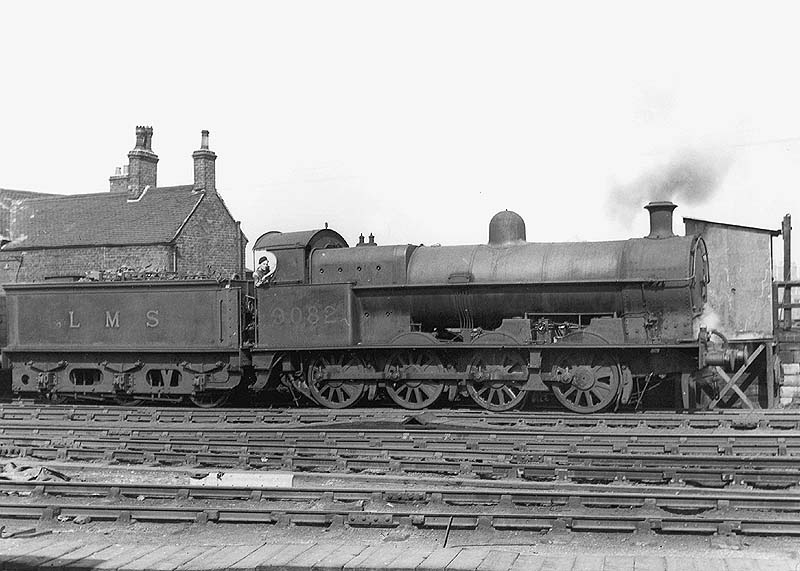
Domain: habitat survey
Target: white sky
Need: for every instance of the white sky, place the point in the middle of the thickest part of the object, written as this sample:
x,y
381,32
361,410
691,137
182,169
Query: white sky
x,y
413,120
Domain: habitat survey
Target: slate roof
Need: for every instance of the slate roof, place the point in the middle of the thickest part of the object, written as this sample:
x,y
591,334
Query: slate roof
x,y
8,200
103,219
11,194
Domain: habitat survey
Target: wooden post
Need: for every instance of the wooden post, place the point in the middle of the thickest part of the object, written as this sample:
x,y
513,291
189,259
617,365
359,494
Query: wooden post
x,y
688,392
786,230
770,372
777,323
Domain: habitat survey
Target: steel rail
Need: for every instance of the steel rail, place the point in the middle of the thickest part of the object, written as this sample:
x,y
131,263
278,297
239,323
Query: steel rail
x,y
755,471
506,441
610,498
779,420
524,519
404,449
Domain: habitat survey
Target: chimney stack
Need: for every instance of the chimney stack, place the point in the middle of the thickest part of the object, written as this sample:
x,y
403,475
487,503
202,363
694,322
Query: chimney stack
x,y
204,171
141,169
118,182
660,219
142,163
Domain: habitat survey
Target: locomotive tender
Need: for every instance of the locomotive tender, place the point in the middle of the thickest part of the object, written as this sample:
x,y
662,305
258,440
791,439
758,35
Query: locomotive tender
x,y
495,322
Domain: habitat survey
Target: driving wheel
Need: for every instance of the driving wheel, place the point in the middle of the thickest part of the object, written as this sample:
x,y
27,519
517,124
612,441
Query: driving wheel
x,y
497,380
407,384
334,393
586,381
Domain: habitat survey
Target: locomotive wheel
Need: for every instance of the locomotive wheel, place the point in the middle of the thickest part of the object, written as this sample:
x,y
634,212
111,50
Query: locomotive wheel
x,y
419,392
592,381
489,389
209,399
334,393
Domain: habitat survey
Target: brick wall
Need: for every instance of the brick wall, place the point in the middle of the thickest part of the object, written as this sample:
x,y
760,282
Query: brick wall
x,y
211,241
790,388
789,355
10,266
36,265
119,183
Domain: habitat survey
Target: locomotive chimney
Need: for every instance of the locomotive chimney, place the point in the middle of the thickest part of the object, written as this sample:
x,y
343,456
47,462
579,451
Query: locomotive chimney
x,y
660,219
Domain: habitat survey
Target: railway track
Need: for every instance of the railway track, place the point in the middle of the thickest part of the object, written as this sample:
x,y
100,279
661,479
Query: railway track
x,y
429,441
423,494
758,462
625,509
738,420
729,450
701,474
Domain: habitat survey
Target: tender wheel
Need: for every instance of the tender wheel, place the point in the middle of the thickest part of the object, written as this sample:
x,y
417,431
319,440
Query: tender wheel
x,y
57,398
334,393
127,400
498,378
416,392
589,381
209,399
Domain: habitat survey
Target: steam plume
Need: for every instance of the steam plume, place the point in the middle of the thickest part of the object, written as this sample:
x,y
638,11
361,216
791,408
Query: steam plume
x,y
690,177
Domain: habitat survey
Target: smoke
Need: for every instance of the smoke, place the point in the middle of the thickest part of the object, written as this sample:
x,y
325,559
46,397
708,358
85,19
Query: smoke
x,y
713,321
709,319
691,177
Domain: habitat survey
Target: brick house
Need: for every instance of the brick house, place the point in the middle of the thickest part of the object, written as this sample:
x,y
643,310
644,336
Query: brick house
x,y
183,229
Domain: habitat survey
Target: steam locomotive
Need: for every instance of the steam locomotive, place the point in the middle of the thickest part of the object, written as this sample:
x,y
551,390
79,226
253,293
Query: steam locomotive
x,y
494,323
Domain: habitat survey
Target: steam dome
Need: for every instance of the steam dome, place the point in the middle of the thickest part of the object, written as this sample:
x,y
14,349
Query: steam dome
x,y
506,227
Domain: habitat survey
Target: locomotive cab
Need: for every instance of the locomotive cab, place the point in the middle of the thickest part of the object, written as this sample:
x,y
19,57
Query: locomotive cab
x,y
293,249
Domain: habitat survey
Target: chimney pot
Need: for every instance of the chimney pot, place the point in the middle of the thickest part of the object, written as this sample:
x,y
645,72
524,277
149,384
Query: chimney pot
x,y
144,138
204,139
139,137
660,219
